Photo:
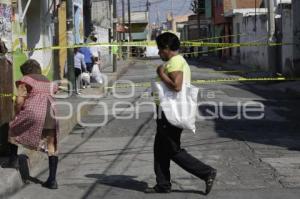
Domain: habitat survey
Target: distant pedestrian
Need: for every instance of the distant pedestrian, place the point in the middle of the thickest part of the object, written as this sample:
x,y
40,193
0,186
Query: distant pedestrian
x,y
95,49
34,125
167,140
79,67
88,58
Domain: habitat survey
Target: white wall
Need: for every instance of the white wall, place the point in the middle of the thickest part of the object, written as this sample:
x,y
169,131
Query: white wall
x,y
296,37
102,35
40,33
101,19
287,33
253,56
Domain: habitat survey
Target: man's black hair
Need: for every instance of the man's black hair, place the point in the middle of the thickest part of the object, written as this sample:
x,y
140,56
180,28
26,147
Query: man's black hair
x,y
168,40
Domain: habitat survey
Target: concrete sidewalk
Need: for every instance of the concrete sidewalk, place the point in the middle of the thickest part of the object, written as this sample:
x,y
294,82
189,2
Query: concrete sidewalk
x,y
11,179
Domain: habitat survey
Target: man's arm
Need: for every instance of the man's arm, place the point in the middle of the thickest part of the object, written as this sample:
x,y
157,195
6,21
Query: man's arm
x,y
173,80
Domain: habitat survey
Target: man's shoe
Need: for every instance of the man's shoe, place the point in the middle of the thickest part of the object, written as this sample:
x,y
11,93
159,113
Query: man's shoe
x,y
210,181
156,189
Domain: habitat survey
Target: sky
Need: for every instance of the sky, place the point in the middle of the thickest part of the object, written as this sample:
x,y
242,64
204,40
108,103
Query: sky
x,y
159,8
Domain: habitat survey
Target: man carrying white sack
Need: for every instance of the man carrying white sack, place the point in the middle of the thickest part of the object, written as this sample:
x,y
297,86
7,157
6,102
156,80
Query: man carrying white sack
x,y
167,140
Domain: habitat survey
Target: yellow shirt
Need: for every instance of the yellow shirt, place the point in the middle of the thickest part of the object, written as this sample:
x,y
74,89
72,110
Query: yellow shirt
x,y
176,63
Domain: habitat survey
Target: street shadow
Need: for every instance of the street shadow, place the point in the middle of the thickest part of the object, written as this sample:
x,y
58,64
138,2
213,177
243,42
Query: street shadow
x,y
129,183
120,181
279,126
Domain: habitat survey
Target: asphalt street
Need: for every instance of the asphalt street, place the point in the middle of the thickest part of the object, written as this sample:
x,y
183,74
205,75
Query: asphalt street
x,y
255,158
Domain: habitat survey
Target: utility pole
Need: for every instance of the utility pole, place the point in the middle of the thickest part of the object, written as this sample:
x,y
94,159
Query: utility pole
x,y
129,28
148,19
114,33
271,35
129,20
70,42
123,19
172,7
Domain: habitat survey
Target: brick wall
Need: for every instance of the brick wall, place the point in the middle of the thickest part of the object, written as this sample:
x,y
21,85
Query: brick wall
x,y
221,6
248,3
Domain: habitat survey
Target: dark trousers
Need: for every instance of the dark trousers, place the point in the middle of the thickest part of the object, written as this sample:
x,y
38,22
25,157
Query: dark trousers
x,y
166,148
77,74
89,67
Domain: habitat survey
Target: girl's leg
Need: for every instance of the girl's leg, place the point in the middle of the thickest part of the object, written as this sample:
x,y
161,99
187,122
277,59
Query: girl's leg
x,y
51,182
13,161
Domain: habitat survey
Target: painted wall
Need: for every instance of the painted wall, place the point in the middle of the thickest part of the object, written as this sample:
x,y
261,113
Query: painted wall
x,y
287,33
36,31
78,22
296,37
208,9
256,57
101,19
102,35
101,15
5,22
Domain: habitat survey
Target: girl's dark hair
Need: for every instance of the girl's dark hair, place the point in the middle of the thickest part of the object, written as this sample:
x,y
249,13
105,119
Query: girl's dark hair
x,y
31,66
3,49
168,40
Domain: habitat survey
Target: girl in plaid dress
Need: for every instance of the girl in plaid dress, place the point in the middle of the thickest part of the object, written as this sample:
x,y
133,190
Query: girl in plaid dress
x,y
34,125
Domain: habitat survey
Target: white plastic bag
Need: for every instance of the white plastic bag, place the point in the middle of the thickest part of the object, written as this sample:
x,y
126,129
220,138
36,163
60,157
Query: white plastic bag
x,y
96,74
85,77
180,108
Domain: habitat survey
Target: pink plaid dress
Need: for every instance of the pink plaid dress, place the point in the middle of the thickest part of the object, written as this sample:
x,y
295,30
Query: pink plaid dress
x,y
27,127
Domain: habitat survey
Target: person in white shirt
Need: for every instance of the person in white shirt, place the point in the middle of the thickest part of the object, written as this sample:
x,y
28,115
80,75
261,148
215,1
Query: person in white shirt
x,y
95,49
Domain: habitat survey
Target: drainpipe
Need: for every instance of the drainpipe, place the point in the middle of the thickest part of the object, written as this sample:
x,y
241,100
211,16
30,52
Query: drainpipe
x,y
70,42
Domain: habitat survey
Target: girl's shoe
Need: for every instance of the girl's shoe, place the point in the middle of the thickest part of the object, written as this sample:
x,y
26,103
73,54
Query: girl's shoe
x,y
13,161
51,181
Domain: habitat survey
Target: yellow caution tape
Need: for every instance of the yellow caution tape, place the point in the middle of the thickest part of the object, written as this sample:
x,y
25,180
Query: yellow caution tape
x,y
241,79
8,95
200,81
153,43
209,81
